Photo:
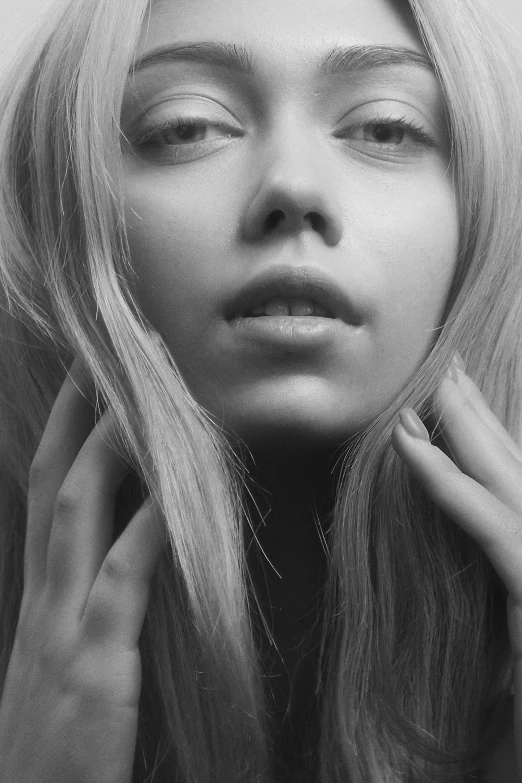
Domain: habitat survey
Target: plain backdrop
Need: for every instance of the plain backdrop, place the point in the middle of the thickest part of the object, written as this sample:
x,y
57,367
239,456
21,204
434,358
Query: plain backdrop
x,y
17,17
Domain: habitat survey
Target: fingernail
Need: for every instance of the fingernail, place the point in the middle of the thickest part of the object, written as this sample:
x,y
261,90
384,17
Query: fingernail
x,y
459,361
455,367
413,425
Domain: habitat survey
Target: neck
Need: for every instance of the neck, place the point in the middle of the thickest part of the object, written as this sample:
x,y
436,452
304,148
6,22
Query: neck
x,y
292,493
292,497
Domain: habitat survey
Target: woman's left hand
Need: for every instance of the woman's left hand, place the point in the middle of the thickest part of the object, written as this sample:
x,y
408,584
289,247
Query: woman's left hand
x,y
480,489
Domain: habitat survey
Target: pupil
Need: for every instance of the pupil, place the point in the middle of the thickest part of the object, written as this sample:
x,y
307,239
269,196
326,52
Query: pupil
x,y
387,133
185,132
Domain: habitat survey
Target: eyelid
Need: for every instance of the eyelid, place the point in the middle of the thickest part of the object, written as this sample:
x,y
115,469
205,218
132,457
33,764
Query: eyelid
x,y
422,136
390,110
213,112
168,124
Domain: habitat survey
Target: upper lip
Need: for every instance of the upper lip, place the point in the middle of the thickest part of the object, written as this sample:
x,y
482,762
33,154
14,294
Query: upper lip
x,y
294,281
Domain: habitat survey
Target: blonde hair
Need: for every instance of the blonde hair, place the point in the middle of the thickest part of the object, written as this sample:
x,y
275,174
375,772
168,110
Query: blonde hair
x,y
414,616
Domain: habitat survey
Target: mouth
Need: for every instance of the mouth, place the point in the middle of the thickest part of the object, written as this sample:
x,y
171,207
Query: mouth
x,y
278,306
292,292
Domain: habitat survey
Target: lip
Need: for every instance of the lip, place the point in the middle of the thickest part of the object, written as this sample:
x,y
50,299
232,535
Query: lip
x,y
307,282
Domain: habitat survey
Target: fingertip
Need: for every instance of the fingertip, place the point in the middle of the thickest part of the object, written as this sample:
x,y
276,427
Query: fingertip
x,y
77,368
155,532
396,436
413,425
82,379
449,398
456,368
402,441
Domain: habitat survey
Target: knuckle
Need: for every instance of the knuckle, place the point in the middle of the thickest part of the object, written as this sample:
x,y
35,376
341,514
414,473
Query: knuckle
x,y
54,659
100,679
61,656
68,500
84,681
115,569
67,661
98,621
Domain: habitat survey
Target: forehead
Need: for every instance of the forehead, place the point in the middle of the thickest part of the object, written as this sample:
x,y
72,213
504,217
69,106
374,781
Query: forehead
x,y
278,27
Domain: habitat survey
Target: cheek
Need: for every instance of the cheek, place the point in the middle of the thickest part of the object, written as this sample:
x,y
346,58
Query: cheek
x,y
175,243
413,247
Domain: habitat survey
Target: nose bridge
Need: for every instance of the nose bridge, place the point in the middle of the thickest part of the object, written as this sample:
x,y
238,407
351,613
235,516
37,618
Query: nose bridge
x,y
293,190
291,150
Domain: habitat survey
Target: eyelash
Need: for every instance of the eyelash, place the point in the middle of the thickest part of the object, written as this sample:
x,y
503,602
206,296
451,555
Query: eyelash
x,y
417,131
175,122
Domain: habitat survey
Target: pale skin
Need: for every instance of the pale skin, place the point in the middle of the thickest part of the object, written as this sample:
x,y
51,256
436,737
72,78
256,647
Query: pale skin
x,y
388,235
69,708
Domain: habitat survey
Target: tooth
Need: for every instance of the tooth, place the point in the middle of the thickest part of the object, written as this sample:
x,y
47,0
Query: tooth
x,y
301,306
258,310
277,306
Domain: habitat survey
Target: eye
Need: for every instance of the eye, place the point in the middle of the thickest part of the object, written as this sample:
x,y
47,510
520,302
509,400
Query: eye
x,y
185,131
184,138
389,133
384,133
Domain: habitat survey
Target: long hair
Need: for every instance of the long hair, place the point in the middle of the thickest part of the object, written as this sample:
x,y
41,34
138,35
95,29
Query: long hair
x,y
415,652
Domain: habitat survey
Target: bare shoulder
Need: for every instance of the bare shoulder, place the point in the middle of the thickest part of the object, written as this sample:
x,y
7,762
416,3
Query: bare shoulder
x,y
500,764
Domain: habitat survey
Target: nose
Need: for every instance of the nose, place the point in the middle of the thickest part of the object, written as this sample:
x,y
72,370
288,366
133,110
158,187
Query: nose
x,y
292,197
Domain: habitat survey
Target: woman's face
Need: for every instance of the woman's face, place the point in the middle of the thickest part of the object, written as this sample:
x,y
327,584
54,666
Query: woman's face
x,y
290,212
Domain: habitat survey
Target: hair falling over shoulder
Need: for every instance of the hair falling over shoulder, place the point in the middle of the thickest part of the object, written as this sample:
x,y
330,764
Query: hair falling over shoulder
x,y
415,652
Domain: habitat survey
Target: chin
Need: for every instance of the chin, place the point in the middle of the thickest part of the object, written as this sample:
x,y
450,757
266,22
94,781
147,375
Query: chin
x,y
293,423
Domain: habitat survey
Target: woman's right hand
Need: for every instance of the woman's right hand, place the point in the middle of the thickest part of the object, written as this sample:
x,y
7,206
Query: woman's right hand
x,y
69,707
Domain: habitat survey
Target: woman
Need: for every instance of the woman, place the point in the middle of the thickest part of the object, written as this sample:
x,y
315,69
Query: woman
x,y
262,232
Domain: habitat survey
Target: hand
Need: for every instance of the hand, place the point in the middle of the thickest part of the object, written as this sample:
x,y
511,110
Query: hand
x,y
480,489
70,702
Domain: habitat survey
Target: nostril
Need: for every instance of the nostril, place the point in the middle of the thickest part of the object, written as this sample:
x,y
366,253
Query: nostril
x,y
317,221
277,216
273,219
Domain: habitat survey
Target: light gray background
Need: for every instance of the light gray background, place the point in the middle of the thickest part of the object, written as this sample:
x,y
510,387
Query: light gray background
x,y
17,17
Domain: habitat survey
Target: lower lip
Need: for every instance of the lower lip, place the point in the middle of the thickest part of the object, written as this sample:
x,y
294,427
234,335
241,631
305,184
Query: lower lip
x,y
290,331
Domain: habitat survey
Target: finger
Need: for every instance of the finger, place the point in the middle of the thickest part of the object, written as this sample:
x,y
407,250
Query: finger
x,y
475,447
116,606
70,422
83,520
495,527
474,396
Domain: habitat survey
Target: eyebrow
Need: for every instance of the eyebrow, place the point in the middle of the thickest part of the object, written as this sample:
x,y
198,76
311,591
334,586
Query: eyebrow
x,y
345,60
233,56
236,57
